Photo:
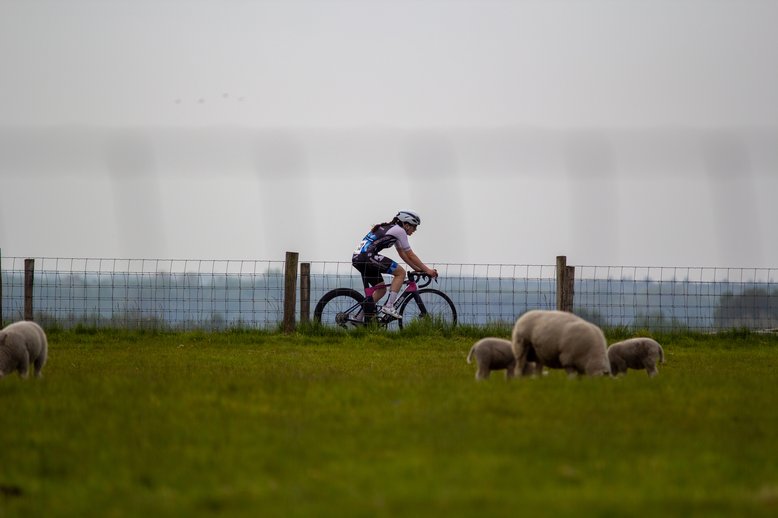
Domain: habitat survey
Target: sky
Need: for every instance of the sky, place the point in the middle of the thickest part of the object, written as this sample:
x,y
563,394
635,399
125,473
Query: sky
x,y
628,132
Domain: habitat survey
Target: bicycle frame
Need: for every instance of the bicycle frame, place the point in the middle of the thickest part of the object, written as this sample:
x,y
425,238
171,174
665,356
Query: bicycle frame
x,y
410,287
413,301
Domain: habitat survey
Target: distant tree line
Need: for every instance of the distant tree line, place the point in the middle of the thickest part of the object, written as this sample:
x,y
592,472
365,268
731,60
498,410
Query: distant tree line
x,y
754,308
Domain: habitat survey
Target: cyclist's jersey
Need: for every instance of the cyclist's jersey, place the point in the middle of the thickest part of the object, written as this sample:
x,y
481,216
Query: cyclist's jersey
x,y
384,237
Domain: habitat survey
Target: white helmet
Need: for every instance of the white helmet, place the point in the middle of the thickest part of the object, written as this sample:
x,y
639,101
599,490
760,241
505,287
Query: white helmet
x,y
408,216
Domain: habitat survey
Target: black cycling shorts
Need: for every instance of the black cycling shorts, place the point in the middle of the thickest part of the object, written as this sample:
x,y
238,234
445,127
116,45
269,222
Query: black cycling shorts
x,y
371,266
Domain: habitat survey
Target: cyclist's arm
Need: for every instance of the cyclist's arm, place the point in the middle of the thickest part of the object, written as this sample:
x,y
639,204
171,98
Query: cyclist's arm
x,y
413,260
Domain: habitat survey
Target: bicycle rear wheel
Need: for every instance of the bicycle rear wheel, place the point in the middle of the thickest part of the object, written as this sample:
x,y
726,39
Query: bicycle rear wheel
x,y
431,307
337,306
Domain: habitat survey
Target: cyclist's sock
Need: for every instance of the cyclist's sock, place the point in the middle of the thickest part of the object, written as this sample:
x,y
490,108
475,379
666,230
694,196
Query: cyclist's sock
x,y
392,298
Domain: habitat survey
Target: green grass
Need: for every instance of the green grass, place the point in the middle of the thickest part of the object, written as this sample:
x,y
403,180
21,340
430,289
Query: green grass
x,y
320,423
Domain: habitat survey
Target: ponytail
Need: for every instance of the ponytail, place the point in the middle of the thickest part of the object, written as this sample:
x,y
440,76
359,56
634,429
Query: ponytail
x,y
394,221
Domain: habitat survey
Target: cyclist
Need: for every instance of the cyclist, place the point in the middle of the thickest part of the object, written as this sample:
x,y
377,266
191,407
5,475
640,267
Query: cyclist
x,y
371,264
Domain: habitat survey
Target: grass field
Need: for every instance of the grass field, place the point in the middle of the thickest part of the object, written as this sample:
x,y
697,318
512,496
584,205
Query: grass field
x,y
249,423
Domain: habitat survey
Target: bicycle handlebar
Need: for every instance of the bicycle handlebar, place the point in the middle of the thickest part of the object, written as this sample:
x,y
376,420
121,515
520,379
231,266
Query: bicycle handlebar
x,y
424,279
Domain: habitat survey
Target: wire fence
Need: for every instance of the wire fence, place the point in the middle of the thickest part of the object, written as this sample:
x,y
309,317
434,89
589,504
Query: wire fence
x,y
210,294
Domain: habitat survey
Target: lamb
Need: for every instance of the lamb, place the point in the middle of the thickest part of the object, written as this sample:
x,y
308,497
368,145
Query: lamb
x,y
493,354
560,340
21,344
636,353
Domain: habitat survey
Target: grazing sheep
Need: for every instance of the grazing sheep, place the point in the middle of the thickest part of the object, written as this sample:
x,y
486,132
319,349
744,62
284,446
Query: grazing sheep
x,y
22,344
560,340
494,354
635,353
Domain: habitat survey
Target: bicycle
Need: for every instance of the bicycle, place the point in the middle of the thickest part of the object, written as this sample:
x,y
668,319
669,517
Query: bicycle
x,y
414,303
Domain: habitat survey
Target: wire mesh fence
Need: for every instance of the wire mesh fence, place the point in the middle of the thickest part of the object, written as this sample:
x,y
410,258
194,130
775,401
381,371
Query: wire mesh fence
x,y
665,298
147,294
211,294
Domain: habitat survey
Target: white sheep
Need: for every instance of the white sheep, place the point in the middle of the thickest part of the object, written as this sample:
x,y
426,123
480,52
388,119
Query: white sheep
x,y
494,354
560,340
636,353
22,344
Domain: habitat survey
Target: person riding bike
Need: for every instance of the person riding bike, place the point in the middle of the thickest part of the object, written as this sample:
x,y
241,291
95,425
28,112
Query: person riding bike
x,y
367,260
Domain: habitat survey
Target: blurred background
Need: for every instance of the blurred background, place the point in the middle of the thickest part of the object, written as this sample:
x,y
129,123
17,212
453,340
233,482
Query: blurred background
x,y
637,132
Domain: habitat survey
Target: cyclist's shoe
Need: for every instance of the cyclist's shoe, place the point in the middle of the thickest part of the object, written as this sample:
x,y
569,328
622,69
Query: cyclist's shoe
x,y
391,312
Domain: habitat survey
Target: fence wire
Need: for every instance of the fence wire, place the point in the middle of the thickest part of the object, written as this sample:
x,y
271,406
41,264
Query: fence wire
x,y
211,294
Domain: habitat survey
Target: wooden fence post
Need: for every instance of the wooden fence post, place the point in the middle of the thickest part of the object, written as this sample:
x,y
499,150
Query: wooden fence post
x,y
29,269
569,288
561,270
305,292
565,284
290,291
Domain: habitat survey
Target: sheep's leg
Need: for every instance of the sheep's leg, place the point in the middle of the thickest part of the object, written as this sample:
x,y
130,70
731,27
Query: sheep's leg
x,y
521,359
510,370
568,365
652,370
483,372
40,361
532,369
24,366
618,367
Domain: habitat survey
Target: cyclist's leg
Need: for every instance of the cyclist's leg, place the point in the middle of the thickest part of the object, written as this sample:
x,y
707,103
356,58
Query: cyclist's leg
x,y
371,276
379,265
379,291
369,304
398,274
397,282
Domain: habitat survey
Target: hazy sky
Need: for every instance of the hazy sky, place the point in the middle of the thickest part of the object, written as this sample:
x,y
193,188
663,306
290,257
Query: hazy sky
x,y
614,132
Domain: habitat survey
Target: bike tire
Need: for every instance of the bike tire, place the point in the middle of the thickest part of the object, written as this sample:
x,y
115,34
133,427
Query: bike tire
x,y
430,305
334,302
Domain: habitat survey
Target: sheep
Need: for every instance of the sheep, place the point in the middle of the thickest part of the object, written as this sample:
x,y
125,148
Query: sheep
x,y
560,340
493,354
635,353
21,344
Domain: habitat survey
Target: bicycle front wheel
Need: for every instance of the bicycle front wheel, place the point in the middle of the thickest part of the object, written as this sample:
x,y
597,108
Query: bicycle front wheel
x,y
337,306
428,307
